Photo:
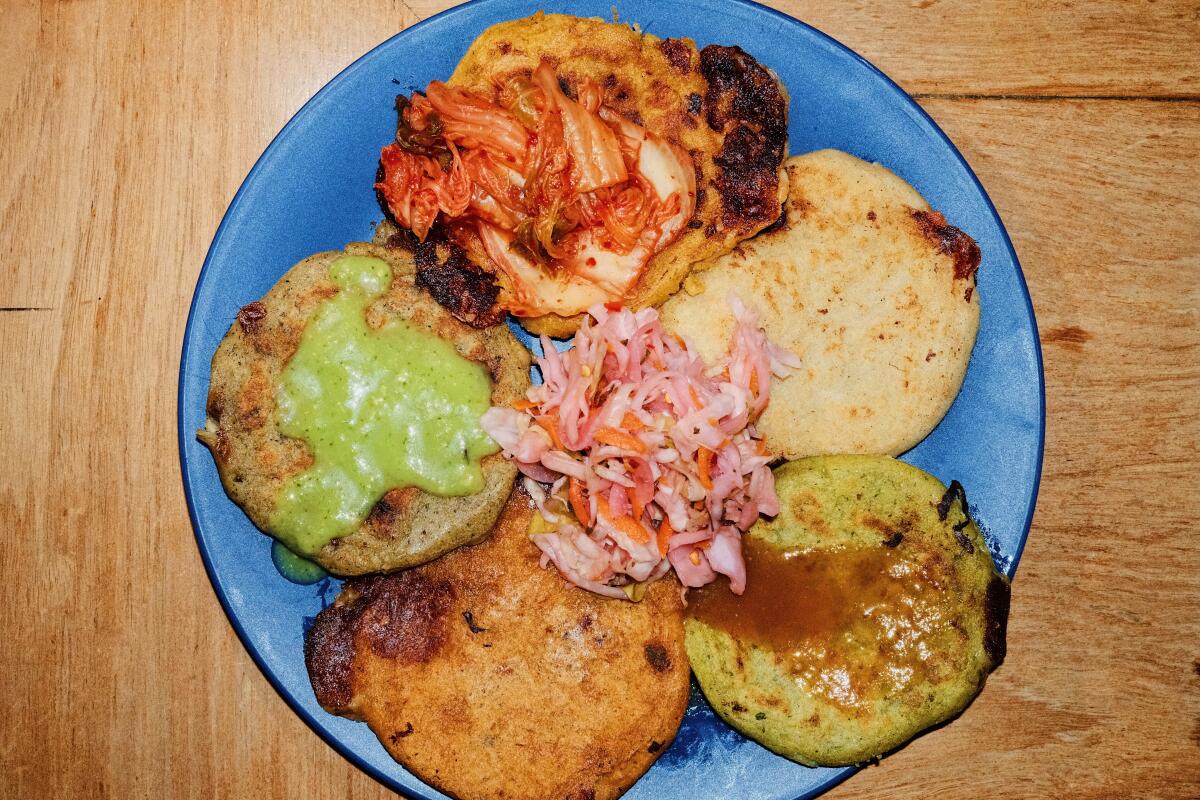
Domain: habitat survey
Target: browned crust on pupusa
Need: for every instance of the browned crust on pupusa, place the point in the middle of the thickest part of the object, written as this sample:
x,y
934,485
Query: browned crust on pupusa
x,y
401,616
407,526
995,610
476,665
746,102
719,104
461,287
953,242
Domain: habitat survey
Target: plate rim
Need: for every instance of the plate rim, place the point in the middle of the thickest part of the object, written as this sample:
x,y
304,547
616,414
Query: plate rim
x,y
185,436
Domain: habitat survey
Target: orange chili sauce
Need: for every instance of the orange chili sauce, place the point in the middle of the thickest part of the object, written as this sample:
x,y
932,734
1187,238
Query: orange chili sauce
x,y
850,625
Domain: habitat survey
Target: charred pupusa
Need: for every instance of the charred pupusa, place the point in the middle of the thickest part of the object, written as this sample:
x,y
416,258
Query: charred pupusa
x,y
458,285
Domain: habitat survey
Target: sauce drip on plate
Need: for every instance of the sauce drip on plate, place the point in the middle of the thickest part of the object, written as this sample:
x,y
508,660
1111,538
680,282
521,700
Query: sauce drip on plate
x,y
852,625
293,567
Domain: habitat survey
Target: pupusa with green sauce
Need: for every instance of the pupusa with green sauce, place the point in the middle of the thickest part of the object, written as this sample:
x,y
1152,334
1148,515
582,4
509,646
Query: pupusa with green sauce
x,y
344,410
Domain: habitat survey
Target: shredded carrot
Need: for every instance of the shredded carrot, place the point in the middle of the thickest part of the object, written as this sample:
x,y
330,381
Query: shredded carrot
x,y
632,528
753,381
624,523
695,397
549,423
664,537
524,405
704,458
579,503
631,423
638,505
613,305
620,439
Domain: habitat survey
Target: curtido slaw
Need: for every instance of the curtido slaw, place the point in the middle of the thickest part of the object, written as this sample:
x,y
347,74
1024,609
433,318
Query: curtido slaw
x,y
651,457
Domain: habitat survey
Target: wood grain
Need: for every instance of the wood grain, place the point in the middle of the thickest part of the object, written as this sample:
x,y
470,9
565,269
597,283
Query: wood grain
x,y
126,130
1021,48
1100,695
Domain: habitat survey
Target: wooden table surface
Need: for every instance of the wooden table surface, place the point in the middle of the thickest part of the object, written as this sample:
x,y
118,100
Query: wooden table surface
x,y
127,128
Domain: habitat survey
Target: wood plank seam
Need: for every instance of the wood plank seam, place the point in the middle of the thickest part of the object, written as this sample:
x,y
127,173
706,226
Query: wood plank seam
x,y
1156,98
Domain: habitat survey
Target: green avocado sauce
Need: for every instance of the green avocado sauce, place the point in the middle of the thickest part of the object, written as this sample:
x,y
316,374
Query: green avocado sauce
x,y
379,409
293,567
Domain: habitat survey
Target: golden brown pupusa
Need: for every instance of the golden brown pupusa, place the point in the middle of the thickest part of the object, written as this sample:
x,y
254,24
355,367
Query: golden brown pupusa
x,y
490,677
871,289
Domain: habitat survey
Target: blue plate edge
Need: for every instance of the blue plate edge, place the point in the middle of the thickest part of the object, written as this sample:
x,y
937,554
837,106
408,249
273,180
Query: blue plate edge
x,y
183,433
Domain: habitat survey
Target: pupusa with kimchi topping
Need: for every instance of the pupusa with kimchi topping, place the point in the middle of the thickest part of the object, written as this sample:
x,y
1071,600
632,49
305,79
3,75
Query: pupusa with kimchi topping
x,y
583,162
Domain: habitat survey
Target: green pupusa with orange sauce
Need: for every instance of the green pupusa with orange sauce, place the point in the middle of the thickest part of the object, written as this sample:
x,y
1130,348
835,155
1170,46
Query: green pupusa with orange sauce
x,y
872,612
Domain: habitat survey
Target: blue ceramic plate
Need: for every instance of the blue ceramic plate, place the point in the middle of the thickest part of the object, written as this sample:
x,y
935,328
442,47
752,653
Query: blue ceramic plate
x,y
311,191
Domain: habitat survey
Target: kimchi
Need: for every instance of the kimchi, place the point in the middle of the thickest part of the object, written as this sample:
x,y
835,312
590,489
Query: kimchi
x,y
568,199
